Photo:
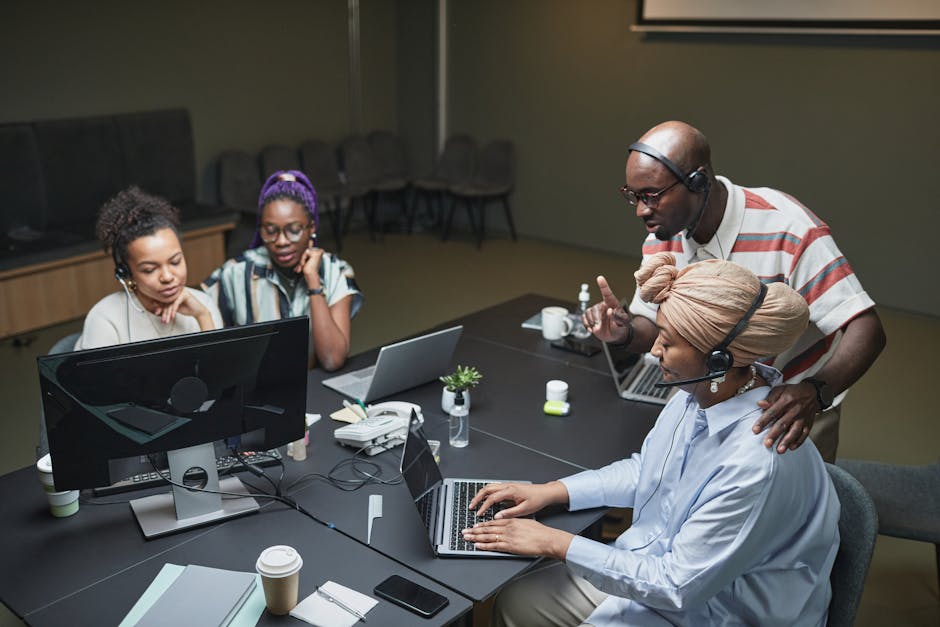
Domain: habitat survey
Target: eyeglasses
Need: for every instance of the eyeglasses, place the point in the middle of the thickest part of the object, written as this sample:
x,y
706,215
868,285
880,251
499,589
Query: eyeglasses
x,y
294,232
650,199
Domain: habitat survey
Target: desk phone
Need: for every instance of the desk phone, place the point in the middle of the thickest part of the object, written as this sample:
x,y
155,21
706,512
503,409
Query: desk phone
x,y
383,428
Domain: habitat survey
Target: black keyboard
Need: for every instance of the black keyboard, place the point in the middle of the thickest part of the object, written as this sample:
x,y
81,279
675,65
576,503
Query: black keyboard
x,y
464,517
226,464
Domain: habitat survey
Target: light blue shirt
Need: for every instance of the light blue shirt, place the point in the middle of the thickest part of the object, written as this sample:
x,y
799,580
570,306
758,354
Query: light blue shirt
x,y
725,531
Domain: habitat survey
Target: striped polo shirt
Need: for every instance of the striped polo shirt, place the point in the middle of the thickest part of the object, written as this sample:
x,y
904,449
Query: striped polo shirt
x,y
778,239
248,289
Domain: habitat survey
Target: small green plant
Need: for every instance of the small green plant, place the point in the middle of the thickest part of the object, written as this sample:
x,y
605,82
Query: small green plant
x,y
464,378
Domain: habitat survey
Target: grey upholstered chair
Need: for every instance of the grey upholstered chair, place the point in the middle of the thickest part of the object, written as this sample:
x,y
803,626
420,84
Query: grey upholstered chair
x,y
393,171
493,181
275,158
362,174
858,527
456,165
907,499
318,162
239,181
62,345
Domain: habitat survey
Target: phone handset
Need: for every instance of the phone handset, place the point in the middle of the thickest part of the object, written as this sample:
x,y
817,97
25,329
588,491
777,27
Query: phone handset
x,y
402,409
385,426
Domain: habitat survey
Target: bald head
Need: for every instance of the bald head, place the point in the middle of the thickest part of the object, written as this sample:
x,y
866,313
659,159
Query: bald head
x,y
682,143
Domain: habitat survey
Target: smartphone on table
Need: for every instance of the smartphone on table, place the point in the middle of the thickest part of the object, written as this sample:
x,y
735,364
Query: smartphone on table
x,y
586,347
411,596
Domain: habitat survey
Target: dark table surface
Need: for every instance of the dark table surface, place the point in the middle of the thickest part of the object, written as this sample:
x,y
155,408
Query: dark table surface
x,y
98,562
235,545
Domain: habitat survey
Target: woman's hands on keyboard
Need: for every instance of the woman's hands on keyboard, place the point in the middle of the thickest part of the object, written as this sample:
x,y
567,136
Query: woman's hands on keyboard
x,y
522,536
527,498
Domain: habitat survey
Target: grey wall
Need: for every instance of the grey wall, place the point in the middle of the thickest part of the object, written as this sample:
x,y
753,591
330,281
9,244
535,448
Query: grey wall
x,y
250,73
846,124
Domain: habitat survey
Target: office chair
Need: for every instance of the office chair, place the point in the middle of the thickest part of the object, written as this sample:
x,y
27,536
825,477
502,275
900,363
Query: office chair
x,y
63,345
907,499
239,186
275,157
493,181
456,165
858,527
393,170
361,173
318,162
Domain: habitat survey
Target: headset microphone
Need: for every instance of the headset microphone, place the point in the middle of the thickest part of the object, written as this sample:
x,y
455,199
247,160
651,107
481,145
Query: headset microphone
x,y
710,375
720,360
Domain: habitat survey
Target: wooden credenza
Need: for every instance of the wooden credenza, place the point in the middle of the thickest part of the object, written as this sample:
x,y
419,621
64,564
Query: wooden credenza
x,y
43,294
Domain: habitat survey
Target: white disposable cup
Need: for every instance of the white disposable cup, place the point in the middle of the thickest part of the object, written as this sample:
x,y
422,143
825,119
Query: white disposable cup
x,y
556,390
44,468
555,323
63,504
279,567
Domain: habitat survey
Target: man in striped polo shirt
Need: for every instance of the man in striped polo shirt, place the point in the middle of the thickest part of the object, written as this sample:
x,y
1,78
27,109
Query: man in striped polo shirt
x,y
696,215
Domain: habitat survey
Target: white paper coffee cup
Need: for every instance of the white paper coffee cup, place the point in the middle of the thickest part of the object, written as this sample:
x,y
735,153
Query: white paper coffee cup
x,y
44,469
279,567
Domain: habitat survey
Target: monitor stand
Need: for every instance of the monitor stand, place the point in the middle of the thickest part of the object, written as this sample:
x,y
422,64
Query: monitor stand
x,y
170,512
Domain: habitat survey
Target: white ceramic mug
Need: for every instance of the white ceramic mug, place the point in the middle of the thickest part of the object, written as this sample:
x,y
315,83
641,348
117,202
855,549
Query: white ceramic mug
x,y
555,323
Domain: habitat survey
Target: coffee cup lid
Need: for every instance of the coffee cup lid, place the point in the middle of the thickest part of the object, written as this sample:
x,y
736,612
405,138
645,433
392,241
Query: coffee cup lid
x,y
44,464
278,561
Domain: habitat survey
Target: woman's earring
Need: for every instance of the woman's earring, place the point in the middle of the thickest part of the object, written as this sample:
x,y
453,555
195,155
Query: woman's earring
x,y
714,385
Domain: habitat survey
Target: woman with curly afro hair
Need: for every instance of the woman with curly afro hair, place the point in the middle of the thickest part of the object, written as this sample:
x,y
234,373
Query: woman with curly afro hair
x,y
141,233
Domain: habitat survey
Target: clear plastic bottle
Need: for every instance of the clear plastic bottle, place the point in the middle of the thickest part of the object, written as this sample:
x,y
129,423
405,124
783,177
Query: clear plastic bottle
x,y
578,329
459,422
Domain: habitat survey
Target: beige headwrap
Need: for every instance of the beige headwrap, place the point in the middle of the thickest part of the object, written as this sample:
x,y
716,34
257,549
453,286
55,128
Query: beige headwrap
x,y
704,301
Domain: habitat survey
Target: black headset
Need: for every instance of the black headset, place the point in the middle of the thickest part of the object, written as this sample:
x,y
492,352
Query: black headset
x,y
719,359
696,181
121,272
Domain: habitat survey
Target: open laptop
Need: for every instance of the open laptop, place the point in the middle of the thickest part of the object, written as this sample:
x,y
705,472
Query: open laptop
x,y
635,375
442,503
400,366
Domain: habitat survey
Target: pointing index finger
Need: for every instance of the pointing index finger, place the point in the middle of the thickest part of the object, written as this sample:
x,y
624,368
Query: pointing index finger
x,y
606,294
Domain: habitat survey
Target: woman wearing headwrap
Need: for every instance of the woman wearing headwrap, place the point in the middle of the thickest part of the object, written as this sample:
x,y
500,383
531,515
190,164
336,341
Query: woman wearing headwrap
x,y
285,274
724,530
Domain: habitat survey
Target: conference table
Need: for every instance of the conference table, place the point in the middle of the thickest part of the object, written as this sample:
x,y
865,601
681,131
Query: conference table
x,y
92,567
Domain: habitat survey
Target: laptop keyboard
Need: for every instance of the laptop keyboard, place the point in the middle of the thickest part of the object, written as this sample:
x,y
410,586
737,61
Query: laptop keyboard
x,y
645,384
464,517
365,373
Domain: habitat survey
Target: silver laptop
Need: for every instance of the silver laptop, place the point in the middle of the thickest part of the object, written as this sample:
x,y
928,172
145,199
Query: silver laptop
x,y
635,376
400,366
442,503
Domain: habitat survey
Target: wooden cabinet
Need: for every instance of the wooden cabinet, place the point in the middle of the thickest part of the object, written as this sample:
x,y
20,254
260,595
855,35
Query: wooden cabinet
x,y
43,294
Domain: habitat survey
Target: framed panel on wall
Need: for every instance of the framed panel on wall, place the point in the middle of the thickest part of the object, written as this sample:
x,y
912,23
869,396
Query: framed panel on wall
x,y
858,17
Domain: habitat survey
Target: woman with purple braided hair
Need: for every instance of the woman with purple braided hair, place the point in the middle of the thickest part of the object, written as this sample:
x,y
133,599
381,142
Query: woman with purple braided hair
x,y
285,274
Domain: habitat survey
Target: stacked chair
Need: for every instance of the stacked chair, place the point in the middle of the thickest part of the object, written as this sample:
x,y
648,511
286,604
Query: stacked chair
x,y
368,172
455,166
492,182
318,162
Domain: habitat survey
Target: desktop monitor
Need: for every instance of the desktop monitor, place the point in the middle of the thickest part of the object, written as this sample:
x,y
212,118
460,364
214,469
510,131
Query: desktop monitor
x,y
178,395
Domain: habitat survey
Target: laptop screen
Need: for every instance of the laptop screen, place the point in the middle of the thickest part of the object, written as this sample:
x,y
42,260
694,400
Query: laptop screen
x,y
418,467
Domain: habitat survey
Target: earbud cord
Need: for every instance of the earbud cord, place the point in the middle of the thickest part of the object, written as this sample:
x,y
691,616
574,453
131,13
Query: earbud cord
x,y
129,302
639,510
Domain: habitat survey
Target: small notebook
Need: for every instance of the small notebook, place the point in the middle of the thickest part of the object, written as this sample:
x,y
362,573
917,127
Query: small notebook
x,y
200,597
